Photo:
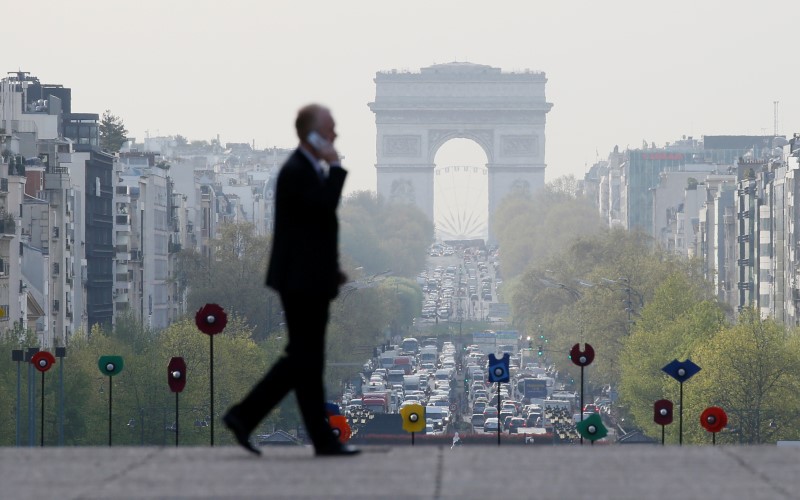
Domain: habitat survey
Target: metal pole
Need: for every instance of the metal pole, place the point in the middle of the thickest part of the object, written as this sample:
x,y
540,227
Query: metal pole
x,y
110,399
662,435
177,425
31,405
680,419
212,389
412,439
61,402
61,353
164,416
141,426
581,410
19,401
498,414
713,439
41,430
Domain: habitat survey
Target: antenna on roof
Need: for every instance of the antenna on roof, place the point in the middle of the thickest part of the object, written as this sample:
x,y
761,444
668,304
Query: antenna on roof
x,y
775,104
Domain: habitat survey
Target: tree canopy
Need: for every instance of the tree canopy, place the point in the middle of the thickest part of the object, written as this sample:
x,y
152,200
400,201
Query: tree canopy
x,y
112,132
531,229
380,236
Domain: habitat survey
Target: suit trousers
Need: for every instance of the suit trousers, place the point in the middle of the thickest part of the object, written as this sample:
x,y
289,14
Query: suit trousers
x,y
300,368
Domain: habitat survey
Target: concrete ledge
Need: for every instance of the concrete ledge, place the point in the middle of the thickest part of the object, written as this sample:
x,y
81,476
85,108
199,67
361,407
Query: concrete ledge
x,y
563,472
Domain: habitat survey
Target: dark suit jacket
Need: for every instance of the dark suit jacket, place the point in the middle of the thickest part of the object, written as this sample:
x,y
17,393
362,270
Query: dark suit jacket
x,y
305,244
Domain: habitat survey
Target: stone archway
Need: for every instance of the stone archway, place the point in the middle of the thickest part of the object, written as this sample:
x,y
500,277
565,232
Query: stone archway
x,y
416,113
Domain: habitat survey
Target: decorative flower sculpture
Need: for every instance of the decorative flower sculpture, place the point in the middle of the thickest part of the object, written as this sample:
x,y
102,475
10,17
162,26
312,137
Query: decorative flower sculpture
x,y
340,427
331,409
681,370
713,419
498,368
582,358
592,428
211,319
110,365
176,374
413,418
662,412
42,361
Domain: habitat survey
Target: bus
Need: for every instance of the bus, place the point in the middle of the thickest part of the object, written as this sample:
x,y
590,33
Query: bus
x,y
410,345
538,388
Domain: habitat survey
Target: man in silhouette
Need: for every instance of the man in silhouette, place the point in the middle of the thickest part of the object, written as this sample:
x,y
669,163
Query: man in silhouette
x,y
304,270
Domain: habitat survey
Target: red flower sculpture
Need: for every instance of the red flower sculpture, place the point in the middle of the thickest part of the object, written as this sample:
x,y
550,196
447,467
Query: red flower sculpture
x,y
582,358
713,419
211,319
42,361
340,427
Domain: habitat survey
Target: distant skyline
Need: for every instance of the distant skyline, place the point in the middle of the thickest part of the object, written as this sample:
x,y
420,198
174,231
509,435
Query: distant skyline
x,y
619,72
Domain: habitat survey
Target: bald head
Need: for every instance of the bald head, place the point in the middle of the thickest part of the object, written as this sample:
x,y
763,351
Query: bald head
x,y
309,118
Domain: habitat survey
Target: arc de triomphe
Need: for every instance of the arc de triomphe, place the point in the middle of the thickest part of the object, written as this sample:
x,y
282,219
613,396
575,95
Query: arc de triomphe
x,y
416,113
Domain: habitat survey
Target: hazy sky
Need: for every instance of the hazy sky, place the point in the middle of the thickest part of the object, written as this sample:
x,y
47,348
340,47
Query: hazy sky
x,y
619,71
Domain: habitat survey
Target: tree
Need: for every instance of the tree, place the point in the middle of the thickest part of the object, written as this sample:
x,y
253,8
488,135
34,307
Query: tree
x,y
594,291
233,278
533,229
679,318
379,236
112,132
751,370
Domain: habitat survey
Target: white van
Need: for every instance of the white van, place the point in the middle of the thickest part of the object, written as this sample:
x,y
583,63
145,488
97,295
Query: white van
x,y
438,414
411,383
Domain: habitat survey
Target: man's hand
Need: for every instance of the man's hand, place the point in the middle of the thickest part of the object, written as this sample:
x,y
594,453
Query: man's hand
x,y
329,154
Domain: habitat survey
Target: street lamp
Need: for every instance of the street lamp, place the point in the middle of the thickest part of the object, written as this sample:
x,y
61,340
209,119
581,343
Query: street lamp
x,y
629,291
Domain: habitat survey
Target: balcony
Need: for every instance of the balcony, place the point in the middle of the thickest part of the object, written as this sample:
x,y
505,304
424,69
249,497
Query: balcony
x,y
8,225
3,186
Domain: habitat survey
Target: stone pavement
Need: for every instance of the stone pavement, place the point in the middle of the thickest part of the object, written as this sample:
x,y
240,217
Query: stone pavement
x,y
485,472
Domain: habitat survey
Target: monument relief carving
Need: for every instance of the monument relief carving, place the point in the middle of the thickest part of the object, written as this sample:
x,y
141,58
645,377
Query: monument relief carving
x,y
402,192
521,187
402,145
519,145
436,136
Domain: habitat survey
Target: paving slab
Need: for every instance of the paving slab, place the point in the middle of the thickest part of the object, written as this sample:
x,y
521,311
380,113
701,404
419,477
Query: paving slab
x,y
560,472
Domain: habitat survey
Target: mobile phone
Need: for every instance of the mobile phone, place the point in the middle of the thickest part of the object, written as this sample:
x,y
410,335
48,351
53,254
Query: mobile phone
x,y
317,141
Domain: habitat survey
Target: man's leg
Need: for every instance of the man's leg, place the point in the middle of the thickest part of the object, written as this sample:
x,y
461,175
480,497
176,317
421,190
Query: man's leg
x,y
265,395
307,343
271,389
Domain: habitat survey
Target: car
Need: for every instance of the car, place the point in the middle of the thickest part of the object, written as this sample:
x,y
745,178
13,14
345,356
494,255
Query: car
x,y
506,419
515,424
509,406
577,417
490,412
593,408
534,419
490,425
478,420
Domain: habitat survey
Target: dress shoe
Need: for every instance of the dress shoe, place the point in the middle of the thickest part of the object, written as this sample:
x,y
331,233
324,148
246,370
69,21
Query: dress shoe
x,y
239,431
342,449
